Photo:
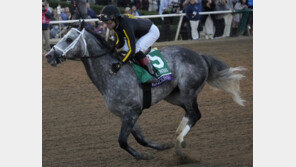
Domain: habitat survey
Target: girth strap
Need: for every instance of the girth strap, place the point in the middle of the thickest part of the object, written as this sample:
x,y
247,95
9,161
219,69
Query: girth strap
x,y
146,95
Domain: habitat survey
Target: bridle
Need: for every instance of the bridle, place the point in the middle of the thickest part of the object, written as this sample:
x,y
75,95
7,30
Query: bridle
x,y
72,45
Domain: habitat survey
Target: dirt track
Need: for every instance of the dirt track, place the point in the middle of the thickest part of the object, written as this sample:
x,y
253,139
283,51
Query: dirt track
x,y
78,130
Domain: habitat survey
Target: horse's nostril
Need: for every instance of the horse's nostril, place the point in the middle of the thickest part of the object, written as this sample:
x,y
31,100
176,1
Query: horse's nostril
x,y
49,55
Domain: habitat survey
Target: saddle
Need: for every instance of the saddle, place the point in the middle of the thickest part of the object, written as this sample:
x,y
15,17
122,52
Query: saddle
x,y
162,73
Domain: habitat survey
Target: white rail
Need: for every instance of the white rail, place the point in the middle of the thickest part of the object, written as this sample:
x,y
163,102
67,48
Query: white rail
x,y
181,15
146,16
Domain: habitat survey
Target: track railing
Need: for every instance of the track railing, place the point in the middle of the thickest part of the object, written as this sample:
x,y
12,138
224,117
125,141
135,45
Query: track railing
x,y
181,15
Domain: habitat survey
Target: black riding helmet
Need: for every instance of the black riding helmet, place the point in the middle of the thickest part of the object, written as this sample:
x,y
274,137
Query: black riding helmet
x,y
109,12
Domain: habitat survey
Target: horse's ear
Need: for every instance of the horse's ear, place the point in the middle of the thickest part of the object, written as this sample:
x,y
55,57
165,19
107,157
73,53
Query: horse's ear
x,y
79,27
82,25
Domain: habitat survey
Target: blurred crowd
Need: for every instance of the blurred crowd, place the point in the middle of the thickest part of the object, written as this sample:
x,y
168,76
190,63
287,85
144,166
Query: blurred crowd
x,y
194,26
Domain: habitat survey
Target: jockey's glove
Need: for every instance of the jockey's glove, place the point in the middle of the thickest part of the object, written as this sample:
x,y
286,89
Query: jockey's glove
x,y
115,67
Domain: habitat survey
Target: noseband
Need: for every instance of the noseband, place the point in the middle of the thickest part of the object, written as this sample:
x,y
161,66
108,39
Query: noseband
x,y
72,45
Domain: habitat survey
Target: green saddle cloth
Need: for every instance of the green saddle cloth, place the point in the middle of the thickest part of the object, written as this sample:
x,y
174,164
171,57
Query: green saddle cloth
x,y
163,72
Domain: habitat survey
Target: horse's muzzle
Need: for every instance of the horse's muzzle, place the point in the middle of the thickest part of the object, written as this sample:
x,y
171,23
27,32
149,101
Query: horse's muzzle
x,y
51,58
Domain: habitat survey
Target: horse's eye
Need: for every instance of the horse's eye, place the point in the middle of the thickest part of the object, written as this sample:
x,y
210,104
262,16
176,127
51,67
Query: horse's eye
x,y
69,40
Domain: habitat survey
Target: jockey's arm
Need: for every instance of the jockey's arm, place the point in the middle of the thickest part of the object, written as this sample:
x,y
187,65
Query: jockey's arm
x,y
120,41
130,39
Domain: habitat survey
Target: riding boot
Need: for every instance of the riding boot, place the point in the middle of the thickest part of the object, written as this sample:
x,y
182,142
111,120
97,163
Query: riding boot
x,y
150,69
145,62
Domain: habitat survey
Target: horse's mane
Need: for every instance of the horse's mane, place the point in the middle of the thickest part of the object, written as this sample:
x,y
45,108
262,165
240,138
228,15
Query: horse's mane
x,y
100,38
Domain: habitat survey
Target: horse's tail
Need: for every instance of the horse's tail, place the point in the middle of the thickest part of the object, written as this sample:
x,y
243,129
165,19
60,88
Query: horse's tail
x,y
221,76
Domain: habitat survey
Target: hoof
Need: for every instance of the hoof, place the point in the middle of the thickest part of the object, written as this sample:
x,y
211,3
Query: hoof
x,y
183,158
145,156
180,154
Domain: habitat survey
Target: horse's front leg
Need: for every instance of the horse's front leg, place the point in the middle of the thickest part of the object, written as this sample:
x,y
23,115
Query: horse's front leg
x,y
128,121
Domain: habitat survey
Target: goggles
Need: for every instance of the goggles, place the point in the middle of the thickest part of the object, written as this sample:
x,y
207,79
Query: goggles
x,y
104,18
108,21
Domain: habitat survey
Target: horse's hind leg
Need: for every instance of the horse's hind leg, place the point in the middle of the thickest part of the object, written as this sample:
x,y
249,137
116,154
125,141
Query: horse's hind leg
x,y
182,125
129,119
193,114
136,131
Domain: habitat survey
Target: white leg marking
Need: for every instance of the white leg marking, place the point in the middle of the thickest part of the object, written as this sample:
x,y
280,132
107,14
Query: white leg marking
x,y
182,125
184,132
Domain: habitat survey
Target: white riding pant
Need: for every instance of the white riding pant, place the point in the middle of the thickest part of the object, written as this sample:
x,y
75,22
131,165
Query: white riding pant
x,y
146,41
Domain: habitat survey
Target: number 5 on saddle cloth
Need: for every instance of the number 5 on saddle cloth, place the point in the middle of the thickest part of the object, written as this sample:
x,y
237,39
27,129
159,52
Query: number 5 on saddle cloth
x,y
162,70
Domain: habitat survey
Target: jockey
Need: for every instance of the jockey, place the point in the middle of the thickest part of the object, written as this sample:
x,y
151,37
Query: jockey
x,y
135,35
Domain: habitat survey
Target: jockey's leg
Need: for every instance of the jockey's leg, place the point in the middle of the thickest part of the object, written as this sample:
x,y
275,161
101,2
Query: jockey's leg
x,y
145,62
142,45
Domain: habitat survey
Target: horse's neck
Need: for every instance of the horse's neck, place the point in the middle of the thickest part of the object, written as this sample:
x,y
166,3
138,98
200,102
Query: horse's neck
x,y
97,67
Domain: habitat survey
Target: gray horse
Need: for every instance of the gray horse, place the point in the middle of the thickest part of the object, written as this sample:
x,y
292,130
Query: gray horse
x,y
123,93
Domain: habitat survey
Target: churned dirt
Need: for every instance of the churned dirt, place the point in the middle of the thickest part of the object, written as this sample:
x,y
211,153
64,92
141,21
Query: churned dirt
x,y
78,130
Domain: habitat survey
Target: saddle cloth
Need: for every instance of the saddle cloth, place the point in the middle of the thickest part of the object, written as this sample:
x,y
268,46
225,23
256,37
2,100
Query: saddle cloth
x,y
163,72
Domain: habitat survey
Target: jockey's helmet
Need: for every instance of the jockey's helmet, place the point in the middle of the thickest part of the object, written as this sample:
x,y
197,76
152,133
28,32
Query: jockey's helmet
x,y
110,12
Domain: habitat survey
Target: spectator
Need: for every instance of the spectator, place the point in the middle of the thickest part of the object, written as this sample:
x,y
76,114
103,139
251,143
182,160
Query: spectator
x,y
250,4
244,20
145,4
59,9
219,22
200,9
185,26
199,3
165,8
68,13
54,32
208,5
48,7
127,10
63,14
138,4
90,11
150,5
250,22
228,17
164,5
135,12
193,16
55,15
46,16
183,4
155,5
236,17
